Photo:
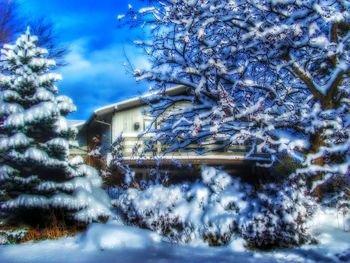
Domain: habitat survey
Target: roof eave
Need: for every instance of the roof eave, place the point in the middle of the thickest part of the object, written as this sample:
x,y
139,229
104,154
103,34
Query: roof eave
x,y
130,103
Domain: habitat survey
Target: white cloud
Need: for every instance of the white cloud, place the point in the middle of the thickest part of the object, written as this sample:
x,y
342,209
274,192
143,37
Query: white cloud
x,y
106,63
77,62
98,77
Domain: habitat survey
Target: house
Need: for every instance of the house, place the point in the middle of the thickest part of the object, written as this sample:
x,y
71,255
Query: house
x,y
129,118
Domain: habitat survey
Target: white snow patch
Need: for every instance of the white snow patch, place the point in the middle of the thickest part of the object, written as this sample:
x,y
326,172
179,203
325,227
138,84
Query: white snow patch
x,y
115,236
113,242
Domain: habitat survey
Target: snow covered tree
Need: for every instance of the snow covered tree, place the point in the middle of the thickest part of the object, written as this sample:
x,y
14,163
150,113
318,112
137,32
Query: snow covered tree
x,y
35,172
116,164
270,74
12,23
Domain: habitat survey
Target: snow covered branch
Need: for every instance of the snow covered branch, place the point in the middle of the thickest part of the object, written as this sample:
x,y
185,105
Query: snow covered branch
x,y
271,75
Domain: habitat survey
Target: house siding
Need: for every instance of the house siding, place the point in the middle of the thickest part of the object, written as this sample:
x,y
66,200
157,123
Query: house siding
x,y
109,122
125,121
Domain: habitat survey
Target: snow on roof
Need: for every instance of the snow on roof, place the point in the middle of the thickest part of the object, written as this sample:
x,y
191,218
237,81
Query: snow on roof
x,y
114,106
75,123
132,102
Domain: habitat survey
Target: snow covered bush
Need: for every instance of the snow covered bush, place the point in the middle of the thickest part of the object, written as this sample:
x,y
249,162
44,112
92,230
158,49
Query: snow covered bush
x,y
270,75
117,172
36,174
116,168
152,208
11,236
219,208
278,217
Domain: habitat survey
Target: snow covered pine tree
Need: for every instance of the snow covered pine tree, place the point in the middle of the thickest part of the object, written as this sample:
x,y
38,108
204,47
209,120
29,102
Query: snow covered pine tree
x,y
35,172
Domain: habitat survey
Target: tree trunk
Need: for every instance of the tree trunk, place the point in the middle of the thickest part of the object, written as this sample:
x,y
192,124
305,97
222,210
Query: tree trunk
x,y
316,142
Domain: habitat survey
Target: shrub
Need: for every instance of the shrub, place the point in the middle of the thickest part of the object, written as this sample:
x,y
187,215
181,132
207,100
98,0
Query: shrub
x,y
54,229
11,235
278,217
220,207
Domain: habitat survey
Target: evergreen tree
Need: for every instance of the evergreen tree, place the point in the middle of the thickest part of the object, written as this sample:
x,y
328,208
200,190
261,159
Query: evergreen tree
x,y
35,172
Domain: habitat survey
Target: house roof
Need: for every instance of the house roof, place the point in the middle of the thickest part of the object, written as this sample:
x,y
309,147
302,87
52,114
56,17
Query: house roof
x,y
130,103
75,123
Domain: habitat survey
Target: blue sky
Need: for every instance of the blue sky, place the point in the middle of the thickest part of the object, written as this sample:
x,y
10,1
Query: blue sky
x,y
96,74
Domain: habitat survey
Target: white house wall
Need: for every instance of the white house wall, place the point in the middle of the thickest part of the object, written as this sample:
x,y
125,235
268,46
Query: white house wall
x,y
124,122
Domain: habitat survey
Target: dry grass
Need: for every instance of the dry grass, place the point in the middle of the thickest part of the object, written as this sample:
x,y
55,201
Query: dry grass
x,y
48,233
8,228
55,230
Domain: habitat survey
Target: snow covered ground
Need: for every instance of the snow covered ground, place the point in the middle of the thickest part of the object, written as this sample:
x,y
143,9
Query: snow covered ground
x,y
113,242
